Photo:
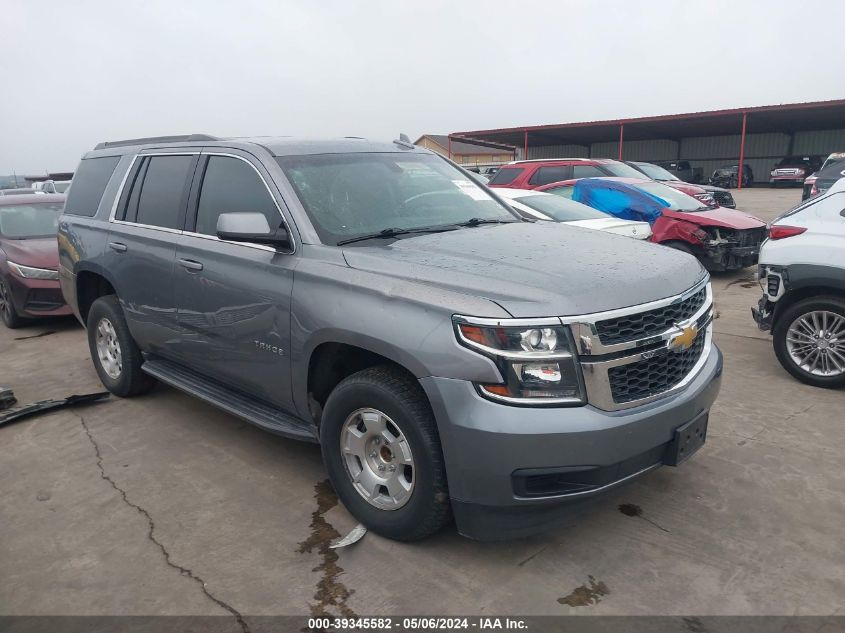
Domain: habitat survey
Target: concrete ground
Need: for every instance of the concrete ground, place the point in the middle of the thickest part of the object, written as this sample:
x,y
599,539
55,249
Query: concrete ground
x,y
164,505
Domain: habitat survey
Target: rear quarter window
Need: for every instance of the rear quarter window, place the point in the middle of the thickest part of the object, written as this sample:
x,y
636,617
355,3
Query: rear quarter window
x,y
506,175
89,183
548,175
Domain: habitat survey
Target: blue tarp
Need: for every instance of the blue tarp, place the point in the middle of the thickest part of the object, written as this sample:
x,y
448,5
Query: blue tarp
x,y
619,199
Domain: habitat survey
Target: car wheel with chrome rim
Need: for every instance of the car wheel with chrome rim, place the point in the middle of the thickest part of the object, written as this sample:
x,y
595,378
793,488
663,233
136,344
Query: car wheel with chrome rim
x,y
809,340
116,356
382,451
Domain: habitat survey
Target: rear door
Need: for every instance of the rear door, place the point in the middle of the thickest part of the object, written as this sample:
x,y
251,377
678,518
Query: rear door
x,y
233,298
144,228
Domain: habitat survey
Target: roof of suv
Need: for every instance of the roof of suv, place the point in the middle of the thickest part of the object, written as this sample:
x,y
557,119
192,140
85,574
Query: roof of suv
x,y
43,198
276,145
561,160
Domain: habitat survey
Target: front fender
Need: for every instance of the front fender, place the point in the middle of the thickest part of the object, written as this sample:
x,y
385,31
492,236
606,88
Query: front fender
x,y
666,229
406,322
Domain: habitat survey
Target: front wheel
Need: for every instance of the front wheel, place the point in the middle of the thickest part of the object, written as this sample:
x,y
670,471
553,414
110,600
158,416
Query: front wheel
x,y
381,449
809,341
8,314
116,356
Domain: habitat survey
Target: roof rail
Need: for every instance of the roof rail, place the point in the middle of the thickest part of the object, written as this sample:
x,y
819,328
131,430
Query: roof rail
x,y
157,139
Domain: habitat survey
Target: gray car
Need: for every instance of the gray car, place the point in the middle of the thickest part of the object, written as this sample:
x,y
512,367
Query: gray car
x,y
450,357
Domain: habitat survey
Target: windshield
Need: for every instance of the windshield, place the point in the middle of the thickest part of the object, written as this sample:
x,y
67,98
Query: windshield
x,y
656,172
795,160
675,200
61,187
621,170
833,158
24,221
352,195
560,208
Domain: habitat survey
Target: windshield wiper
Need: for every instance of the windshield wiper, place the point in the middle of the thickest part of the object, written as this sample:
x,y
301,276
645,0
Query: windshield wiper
x,y
478,221
395,232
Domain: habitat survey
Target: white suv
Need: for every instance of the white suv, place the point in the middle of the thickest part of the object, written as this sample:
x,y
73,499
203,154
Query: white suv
x,y
802,272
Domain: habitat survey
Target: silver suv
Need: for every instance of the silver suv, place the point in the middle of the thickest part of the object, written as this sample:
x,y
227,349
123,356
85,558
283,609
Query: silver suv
x,y
450,357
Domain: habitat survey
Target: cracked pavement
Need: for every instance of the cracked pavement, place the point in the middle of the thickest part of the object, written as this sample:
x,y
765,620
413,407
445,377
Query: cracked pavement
x,y
164,505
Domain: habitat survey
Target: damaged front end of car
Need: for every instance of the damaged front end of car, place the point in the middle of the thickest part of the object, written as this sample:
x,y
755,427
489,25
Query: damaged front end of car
x,y
774,282
731,249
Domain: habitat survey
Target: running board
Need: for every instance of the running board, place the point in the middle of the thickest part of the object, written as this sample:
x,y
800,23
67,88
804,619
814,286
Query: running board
x,y
231,401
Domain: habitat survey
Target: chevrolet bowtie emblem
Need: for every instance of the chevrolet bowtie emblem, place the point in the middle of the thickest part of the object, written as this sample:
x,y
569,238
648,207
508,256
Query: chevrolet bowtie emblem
x,y
683,341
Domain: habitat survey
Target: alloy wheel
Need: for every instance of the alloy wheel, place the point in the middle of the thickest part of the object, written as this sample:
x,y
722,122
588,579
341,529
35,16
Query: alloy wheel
x,y
815,342
5,302
377,457
108,349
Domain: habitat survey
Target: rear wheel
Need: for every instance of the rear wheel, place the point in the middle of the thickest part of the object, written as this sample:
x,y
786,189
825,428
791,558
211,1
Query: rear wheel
x,y
116,356
809,341
382,451
11,318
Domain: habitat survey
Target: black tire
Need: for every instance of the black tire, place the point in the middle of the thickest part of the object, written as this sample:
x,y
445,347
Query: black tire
x,y
11,318
779,334
130,380
398,395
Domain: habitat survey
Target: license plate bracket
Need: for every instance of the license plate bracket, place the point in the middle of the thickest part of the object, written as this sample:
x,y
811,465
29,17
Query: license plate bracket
x,y
688,438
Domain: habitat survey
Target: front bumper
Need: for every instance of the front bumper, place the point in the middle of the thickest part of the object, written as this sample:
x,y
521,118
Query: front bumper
x,y
763,313
492,450
725,256
37,297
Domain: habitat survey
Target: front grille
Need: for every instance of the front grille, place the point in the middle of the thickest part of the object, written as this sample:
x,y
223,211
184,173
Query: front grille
x,y
724,198
651,323
655,375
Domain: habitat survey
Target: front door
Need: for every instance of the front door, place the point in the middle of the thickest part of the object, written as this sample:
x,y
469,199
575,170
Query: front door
x,y
233,299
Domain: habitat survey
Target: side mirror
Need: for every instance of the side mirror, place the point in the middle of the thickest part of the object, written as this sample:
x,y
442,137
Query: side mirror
x,y
251,227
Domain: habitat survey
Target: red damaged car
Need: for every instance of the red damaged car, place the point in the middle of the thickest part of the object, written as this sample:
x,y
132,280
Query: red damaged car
x,y
535,173
722,239
29,258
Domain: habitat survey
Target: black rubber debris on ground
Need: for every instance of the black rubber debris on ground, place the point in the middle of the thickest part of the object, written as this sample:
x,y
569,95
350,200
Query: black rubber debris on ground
x,y
19,413
7,398
39,335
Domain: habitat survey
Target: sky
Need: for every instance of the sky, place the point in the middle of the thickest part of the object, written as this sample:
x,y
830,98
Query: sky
x,y
77,73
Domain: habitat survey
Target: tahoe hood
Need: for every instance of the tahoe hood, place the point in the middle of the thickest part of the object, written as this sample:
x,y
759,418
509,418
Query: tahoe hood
x,y
535,269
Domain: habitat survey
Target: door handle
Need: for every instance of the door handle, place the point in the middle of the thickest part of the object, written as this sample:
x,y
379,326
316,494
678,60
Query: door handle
x,y
190,264
118,247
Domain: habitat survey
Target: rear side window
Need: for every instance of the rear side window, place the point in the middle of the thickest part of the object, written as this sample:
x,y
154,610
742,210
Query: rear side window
x,y
231,185
160,192
565,191
506,175
89,183
586,171
548,175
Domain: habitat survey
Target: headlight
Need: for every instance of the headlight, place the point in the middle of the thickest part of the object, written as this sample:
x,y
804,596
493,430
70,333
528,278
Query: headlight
x,y
28,272
535,358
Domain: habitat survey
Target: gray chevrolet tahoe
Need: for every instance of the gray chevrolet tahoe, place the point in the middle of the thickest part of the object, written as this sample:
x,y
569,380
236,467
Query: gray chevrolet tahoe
x,y
451,358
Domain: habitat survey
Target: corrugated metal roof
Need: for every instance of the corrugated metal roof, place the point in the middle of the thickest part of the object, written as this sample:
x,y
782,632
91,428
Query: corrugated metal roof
x,y
815,115
459,148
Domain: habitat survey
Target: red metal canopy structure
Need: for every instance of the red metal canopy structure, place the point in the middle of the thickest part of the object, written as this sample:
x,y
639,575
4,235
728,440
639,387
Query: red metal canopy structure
x,y
787,120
